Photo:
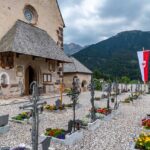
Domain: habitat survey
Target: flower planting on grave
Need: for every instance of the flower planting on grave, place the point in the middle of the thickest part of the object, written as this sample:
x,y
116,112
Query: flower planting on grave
x,y
53,107
57,106
57,133
68,105
143,142
128,100
23,116
104,111
68,91
113,94
97,98
146,123
87,119
135,96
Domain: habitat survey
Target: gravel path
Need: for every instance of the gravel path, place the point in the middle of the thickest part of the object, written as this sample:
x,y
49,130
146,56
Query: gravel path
x,y
114,134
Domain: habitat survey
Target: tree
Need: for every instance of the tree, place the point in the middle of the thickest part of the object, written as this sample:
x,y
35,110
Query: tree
x,y
98,85
125,80
96,74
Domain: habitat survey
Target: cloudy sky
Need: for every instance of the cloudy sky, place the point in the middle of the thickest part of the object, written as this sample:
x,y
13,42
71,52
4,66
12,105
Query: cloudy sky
x,y
90,21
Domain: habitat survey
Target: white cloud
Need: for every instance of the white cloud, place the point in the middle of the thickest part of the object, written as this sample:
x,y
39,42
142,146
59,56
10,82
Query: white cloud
x,y
89,21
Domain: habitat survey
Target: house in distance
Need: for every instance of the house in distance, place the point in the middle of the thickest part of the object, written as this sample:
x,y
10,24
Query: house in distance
x,y
76,69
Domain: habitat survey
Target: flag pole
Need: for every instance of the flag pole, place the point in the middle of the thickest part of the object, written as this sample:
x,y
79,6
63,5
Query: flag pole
x,y
144,81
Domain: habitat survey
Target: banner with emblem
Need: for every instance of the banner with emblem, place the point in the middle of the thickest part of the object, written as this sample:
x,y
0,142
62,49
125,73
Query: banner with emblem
x,y
143,57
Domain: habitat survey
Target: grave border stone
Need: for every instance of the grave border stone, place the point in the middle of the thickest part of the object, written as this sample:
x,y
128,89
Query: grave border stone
x,y
4,128
94,125
70,139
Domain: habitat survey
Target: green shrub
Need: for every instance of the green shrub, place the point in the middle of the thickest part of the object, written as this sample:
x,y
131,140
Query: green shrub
x,y
98,85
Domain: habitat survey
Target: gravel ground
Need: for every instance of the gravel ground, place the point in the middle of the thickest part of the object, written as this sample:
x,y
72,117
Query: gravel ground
x,y
114,134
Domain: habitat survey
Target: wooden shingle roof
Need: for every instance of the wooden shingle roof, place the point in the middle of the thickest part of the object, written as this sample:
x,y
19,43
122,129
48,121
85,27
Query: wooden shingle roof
x,y
27,39
76,67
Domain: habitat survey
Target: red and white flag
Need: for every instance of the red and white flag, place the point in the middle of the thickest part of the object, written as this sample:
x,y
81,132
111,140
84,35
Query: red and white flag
x,y
143,57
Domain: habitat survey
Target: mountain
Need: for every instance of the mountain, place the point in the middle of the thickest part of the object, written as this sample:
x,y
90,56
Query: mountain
x,y
116,56
72,48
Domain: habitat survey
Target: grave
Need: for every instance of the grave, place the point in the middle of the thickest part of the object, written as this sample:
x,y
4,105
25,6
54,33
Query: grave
x,y
70,139
73,134
58,103
23,118
45,143
94,122
94,125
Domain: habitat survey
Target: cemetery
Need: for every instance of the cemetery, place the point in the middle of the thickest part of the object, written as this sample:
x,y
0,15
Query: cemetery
x,y
51,101
82,128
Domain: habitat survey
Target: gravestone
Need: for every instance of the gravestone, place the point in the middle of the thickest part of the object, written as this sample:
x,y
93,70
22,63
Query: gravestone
x,y
46,143
4,127
58,104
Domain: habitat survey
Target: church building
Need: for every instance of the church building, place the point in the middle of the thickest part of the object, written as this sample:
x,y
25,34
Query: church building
x,y
31,46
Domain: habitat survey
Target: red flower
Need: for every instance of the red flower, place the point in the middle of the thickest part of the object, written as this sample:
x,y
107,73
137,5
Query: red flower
x,y
51,133
146,122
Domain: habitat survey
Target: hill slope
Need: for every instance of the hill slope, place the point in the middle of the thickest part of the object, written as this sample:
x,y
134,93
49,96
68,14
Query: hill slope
x,y
117,55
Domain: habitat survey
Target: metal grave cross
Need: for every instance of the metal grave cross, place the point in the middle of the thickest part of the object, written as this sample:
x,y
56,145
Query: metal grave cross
x,y
74,97
35,106
92,87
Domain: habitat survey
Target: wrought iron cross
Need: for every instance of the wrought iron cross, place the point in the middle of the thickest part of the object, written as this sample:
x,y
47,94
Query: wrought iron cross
x,y
92,87
34,106
75,95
